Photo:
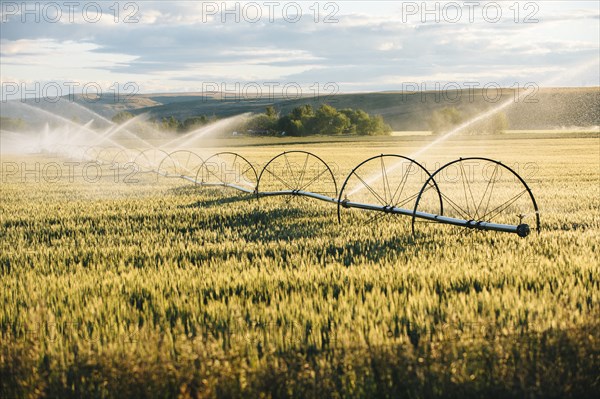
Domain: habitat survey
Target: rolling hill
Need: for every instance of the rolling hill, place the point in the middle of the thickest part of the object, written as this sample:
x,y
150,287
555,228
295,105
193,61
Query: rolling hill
x,y
549,108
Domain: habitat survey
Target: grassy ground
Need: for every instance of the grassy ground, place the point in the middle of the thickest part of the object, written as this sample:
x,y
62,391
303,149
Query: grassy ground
x,y
162,289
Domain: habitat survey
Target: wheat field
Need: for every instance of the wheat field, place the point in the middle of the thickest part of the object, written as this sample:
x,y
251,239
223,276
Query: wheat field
x,y
156,287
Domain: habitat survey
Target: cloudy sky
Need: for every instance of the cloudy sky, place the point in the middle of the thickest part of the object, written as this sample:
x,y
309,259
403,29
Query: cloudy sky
x,y
344,46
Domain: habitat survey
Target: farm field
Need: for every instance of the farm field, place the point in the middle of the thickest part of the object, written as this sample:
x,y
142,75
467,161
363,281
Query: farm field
x,y
144,285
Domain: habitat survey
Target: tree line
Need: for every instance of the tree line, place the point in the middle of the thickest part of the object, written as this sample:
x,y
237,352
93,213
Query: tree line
x,y
303,120
170,123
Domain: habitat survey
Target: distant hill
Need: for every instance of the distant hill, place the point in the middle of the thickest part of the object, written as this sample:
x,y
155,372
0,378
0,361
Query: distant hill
x,y
553,108
547,109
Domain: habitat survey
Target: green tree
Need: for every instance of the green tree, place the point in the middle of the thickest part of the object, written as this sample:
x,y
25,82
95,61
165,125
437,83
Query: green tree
x,y
194,122
298,122
303,112
363,124
270,112
304,120
328,120
292,127
170,124
358,119
377,127
261,123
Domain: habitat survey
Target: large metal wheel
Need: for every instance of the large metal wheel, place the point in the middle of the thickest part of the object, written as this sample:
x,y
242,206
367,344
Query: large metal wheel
x,y
227,169
481,190
180,163
384,181
296,171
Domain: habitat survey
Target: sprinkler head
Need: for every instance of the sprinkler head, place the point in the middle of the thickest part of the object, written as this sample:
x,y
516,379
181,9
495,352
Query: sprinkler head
x,y
523,230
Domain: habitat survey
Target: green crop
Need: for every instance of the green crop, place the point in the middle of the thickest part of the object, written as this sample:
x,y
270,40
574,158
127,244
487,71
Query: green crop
x,y
164,289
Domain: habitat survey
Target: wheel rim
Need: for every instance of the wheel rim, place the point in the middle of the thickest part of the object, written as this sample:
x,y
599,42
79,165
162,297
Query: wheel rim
x,y
180,163
149,160
386,180
481,189
297,171
227,168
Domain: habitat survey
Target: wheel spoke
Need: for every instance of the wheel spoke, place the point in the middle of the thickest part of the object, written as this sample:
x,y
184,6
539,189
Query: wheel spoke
x,y
429,187
188,159
280,179
464,187
303,172
233,164
457,207
402,184
470,191
492,181
377,196
377,217
407,200
186,169
496,211
290,169
215,175
385,180
243,174
313,179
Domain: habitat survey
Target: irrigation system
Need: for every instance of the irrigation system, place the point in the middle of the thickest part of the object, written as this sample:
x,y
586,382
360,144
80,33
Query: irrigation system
x,y
472,193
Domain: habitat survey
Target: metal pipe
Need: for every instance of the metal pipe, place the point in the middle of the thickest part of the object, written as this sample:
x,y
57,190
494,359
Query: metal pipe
x,y
230,185
299,192
522,229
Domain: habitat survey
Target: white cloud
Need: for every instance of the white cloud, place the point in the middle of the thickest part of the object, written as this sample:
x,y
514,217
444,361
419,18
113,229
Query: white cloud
x,y
51,60
370,46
